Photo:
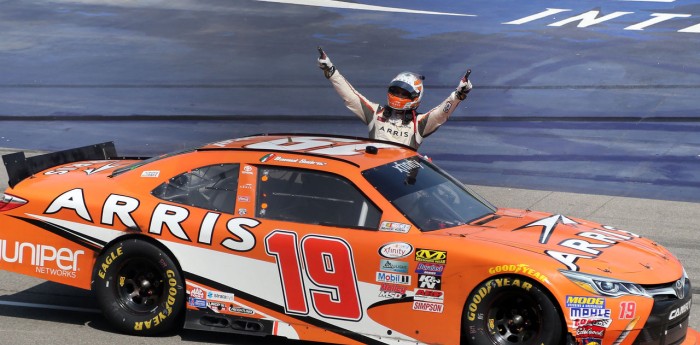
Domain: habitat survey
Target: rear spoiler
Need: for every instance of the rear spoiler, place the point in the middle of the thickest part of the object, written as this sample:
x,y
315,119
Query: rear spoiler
x,y
19,167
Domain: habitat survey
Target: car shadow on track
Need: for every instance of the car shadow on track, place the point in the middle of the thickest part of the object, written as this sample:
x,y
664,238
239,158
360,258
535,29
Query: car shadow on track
x,y
76,308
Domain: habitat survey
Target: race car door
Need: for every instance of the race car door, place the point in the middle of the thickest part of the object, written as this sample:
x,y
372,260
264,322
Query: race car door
x,y
322,231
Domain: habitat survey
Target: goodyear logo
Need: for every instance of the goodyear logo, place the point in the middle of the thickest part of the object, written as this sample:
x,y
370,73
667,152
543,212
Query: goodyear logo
x,y
431,255
585,302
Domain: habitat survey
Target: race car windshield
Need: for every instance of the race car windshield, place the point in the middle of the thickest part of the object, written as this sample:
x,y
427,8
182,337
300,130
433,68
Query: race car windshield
x,y
426,195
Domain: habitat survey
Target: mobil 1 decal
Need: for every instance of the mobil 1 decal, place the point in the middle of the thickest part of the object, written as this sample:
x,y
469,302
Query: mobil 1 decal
x,y
586,244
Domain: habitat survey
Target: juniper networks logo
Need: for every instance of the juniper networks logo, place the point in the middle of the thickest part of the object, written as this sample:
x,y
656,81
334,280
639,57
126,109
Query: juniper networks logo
x,y
548,16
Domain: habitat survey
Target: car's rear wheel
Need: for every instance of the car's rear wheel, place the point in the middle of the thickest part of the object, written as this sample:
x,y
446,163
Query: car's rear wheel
x,y
510,310
139,288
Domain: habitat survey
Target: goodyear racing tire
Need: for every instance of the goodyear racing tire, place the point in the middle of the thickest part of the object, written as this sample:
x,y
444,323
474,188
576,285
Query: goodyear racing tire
x,y
510,310
139,288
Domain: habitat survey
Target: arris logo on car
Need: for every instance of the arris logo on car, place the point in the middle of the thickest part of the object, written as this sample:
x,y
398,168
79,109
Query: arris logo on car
x,y
395,250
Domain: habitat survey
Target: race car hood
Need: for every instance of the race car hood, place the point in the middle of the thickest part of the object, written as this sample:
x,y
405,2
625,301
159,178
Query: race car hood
x,y
579,245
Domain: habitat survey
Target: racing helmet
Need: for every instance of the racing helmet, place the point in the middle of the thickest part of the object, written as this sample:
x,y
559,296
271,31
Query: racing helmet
x,y
405,91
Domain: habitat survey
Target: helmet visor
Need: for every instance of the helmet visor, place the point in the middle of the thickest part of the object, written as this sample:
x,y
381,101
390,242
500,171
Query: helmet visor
x,y
401,90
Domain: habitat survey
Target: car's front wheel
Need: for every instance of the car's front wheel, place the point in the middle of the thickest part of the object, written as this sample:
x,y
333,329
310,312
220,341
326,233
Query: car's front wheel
x,y
510,310
139,288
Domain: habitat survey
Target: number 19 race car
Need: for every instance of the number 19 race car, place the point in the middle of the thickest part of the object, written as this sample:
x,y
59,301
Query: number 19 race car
x,y
332,239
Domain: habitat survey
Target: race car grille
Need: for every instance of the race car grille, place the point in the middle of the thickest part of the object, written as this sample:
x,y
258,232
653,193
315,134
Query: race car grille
x,y
668,322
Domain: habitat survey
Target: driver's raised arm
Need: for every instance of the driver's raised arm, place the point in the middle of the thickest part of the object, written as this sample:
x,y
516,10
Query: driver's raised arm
x,y
357,103
429,122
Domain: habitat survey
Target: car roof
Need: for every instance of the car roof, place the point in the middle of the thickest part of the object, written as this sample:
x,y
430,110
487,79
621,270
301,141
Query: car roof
x,y
353,150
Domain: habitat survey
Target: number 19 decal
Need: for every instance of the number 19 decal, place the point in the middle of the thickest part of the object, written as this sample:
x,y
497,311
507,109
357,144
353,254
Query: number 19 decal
x,y
329,266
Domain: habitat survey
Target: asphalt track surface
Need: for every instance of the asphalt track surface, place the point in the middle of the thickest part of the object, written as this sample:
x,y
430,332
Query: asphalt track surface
x,y
591,118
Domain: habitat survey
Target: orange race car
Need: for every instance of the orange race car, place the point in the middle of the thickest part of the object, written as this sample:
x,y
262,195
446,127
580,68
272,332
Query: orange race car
x,y
332,239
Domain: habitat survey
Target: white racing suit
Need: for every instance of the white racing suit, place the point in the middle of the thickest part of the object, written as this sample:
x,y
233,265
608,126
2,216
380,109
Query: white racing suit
x,y
393,128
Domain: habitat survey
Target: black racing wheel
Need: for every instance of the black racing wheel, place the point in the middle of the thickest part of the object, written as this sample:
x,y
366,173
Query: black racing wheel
x,y
139,288
511,310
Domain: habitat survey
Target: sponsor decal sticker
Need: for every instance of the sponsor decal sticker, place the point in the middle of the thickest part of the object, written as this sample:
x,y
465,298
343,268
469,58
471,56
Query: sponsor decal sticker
x,y
591,322
589,313
197,293
242,211
197,303
393,288
393,278
150,173
247,170
393,266
585,302
216,306
429,281
219,296
389,294
519,268
431,255
243,199
395,250
428,306
267,157
407,166
394,227
240,310
427,295
428,268
589,335
47,260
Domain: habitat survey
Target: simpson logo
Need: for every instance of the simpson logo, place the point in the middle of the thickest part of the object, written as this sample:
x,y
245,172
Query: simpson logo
x,y
427,268
585,302
393,278
431,255
428,306
429,281
61,262
395,250
219,296
393,266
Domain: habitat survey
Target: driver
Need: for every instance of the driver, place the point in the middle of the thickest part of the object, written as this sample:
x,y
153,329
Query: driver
x,y
398,121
